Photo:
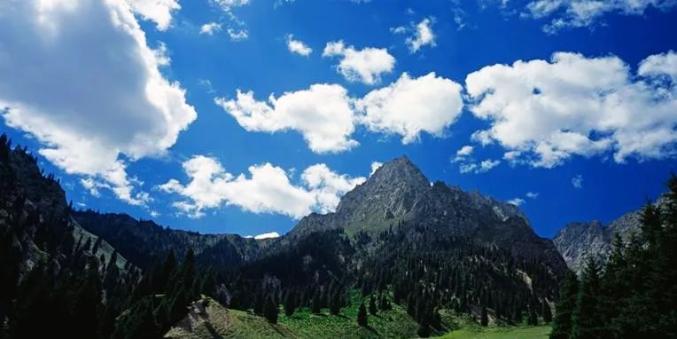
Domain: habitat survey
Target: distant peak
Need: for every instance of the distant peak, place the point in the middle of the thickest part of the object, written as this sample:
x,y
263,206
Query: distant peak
x,y
400,169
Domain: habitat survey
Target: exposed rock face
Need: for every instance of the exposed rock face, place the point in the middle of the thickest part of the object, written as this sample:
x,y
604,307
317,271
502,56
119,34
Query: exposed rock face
x,y
399,193
577,241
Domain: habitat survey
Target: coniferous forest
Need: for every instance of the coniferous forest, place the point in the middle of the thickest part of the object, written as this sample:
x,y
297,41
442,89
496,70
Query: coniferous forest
x,y
633,294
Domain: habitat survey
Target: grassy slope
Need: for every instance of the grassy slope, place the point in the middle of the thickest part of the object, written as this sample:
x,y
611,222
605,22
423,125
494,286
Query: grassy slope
x,y
389,324
500,333
395,323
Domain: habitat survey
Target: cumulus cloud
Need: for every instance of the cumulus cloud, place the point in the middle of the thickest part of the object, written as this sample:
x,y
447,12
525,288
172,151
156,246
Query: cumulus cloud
x,y
88,103
326,116
210,28
158,11
423,36
577,181
266,190
543,112
410,106
322,114
365,65
327,186
297,46
374,166
582,13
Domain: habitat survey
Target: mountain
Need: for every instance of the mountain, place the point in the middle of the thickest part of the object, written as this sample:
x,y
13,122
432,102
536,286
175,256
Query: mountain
x,y
578,240
398,193
145,243
397,238
427,243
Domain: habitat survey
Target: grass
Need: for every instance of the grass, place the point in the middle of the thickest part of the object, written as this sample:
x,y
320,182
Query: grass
x,y
394,323
227,323
500,333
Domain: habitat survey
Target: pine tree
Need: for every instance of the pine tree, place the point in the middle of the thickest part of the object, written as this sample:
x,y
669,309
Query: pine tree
x,y
562,325
372,306
289,304
362,316
335,303
547,313
316,304
587,320
270,311
484,317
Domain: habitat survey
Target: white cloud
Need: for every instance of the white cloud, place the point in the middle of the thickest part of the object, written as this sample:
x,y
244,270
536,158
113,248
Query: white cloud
x,y
365,65
297,46
532,195
322,113
577,181
238,34
464,151
210,28
228,5
481,167
582,13
327,117
158,11
659,65
327,187
269,235
544,112
410,106
266,190
374,166
516,201
86,105
423,36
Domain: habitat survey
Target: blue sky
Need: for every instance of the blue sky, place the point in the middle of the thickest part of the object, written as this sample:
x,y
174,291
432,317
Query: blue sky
x,y
122,115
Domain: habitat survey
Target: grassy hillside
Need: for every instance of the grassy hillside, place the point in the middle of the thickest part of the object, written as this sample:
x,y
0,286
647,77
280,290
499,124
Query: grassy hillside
x,y
389,324
537,332
218,322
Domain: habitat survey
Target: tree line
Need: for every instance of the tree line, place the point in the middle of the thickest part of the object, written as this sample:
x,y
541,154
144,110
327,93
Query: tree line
x,y
632,295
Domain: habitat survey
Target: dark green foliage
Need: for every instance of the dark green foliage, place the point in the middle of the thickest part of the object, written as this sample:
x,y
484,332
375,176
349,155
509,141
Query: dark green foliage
x,y
289,304
635,294
271,310
362,316
587,317
547,313
423,331
372,306
484,317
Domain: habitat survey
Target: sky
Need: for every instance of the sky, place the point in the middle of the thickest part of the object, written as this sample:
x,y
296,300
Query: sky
x,y
242,116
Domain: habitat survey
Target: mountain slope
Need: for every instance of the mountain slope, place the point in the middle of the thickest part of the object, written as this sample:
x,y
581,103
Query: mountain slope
x,y
399,193
145,242
576,241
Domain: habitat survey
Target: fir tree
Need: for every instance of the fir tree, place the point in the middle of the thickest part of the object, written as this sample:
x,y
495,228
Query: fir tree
x,y
562,325
289,304
484,317
362,316
372,306
270,311
587,320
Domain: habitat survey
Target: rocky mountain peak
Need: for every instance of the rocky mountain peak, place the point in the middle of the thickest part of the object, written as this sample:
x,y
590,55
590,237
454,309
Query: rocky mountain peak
x,y
398,172
386,197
